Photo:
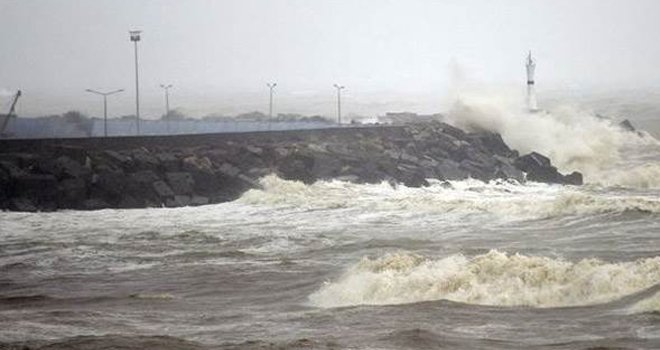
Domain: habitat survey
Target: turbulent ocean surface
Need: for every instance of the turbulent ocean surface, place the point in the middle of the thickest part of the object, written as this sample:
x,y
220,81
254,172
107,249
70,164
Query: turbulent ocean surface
x,y
473,265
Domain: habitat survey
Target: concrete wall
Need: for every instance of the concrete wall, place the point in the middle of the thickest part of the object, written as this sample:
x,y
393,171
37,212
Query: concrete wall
x,y
45,128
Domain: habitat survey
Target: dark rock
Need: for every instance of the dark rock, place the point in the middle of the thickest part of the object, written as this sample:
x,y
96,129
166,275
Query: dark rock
x,y
327,166
22,204
446,185
162,189
95,204
71,192
411,176
492,143
627,126
4,188
181,183
118,157
169,162
199,200
574,178
129,202
142,159
449,170
11,169
21,160
144,176
508,171
538,168
452,130
476,170
229,170
195,163
532,160
41,189
150,172
112,185
68,168
297,167
178,201
254,149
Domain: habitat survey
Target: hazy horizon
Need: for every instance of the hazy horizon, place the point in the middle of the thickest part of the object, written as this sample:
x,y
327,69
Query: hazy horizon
x,y
391,55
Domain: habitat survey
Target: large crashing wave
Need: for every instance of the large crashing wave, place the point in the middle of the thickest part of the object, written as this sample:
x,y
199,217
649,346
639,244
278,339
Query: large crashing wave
x,y
495,278
574,139
501,198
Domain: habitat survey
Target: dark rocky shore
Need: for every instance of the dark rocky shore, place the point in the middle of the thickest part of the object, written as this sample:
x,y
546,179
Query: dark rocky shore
x,y
172,171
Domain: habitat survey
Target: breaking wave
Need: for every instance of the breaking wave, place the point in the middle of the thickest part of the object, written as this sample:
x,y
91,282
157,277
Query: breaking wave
x,y
651,304
575,139
495,278
505,199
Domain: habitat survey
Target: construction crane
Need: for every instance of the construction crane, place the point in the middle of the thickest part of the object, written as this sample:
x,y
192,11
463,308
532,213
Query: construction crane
x,y
9,115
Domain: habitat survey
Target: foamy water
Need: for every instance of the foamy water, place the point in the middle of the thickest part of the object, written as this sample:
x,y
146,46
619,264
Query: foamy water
x,y
496,265
495,278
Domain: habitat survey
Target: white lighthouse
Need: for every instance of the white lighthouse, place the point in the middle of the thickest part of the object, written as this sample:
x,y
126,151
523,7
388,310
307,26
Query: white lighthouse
x,y
531,93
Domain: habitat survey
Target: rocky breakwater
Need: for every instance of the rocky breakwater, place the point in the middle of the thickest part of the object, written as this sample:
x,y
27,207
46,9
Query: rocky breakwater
x,y
138,172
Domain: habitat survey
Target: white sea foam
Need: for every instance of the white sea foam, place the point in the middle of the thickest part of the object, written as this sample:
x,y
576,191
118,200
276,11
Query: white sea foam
x,y
651,304
507,200
495,278
575,139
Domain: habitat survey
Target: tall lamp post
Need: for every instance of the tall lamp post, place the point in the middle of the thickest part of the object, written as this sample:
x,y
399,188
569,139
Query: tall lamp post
x,y
339,88
271,86
105,106
135,37
167,104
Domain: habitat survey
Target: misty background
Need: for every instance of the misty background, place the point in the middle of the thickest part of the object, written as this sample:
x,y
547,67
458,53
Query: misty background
x,y
391,55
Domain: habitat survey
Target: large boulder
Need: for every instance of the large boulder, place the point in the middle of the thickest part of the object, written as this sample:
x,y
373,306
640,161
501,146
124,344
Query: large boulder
x,y
40,188
574,178
492,143
71,193
66,167
181,183
538,168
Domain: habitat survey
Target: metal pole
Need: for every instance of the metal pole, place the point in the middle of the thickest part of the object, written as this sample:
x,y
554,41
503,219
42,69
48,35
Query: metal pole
x,y
105,115
167,100
137,90
271,86
167,104
339,106
270,109
339,88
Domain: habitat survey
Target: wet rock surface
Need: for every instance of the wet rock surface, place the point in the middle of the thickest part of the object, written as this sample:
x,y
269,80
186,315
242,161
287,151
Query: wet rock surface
x,y
138,172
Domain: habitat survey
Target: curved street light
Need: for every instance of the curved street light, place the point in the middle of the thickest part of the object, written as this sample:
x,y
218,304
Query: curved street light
x,y
105,106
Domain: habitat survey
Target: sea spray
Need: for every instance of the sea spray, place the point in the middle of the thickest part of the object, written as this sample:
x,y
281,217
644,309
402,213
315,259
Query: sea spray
x,y
572,137
495,278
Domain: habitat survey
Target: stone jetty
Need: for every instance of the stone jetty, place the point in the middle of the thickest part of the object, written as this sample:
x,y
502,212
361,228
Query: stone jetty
x,y
189,170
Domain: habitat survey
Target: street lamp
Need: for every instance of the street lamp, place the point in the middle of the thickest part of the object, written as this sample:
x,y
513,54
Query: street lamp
x,y
271,86
105,106
135,37
339,88
167,104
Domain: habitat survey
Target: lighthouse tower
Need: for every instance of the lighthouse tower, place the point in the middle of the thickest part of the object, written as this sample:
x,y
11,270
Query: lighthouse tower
x,y
531,93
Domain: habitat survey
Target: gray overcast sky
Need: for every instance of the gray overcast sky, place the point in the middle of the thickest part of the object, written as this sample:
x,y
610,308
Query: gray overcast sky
x,y
219,54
